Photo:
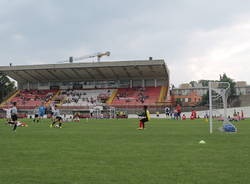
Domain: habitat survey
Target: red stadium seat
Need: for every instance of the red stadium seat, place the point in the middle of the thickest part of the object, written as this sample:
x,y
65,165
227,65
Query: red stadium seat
x,y
137,96
28,99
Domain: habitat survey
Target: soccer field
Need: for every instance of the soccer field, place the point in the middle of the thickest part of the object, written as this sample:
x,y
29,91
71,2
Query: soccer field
x,y
115,152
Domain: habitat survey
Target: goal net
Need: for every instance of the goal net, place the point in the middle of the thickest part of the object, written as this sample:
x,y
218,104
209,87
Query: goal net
x,y
218,96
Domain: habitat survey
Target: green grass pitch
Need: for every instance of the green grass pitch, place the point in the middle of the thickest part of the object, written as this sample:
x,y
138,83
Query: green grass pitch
x,y
115,152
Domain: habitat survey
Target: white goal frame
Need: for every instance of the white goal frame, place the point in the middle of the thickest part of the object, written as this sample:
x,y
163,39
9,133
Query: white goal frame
x,y
221,92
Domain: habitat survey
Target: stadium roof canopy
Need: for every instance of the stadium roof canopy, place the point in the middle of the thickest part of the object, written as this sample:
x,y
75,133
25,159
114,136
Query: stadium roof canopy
x,y
118,70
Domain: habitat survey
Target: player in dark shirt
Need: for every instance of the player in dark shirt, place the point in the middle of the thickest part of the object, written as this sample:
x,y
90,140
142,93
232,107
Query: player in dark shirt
x,y
146,117
14,116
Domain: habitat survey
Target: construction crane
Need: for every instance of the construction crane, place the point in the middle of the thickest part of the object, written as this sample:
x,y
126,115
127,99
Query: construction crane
x,y
98,55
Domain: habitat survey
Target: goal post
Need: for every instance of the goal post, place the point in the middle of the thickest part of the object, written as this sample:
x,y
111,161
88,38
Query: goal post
x,y
218,90
210,108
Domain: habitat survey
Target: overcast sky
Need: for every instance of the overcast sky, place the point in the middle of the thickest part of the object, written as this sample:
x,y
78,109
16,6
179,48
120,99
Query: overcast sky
x,y
199,39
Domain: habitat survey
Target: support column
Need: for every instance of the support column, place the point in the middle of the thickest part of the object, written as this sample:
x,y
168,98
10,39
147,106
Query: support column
x,y
155,83
118,83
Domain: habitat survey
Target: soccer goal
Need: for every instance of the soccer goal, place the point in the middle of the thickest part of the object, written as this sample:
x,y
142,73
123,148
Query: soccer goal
x,y
112,112
97,112
218,96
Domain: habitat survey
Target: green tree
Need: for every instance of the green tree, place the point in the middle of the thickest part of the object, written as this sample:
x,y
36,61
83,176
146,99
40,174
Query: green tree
x,y
193,83
204,100
203,82
223,78
232,90
6,86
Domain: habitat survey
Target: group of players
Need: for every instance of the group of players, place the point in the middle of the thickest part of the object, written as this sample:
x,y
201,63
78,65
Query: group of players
x,y
54,113
173,113
12,116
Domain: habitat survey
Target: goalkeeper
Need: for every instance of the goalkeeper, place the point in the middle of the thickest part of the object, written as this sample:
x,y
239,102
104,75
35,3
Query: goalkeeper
x,y
146,117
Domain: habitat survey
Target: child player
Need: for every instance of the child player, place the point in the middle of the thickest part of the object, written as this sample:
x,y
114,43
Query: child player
x,y
57,117
36,116
146,118
178,110
76,117
41,111
14,116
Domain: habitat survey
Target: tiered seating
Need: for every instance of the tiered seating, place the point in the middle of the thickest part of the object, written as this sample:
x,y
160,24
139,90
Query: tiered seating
x,y
87,97
32,98
137,96
84,97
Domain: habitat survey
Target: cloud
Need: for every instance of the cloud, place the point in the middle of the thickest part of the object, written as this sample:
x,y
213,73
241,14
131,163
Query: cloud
x,y
198,39
17,37
218,51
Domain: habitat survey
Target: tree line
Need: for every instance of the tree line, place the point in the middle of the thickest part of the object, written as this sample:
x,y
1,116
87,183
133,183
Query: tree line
x,y
6,87
223,78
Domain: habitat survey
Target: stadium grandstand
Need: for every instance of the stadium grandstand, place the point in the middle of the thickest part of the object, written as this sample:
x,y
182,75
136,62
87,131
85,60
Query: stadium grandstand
x,y
80,87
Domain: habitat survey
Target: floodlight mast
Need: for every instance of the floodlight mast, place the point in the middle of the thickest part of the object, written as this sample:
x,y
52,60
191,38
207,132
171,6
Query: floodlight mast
x,y
98,55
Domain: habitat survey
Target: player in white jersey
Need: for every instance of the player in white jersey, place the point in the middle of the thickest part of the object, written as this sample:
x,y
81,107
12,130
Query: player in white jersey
x,y
57,117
